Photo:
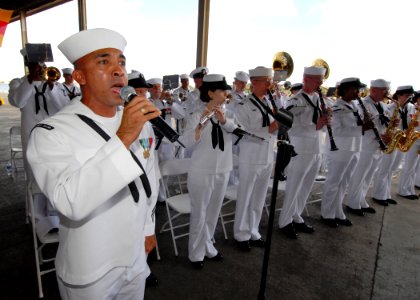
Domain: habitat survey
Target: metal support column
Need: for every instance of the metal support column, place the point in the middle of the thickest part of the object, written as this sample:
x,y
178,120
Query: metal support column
x,y
202,32
82,15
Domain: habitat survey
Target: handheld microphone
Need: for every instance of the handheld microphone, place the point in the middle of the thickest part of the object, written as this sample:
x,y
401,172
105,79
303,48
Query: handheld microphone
x,y
127,93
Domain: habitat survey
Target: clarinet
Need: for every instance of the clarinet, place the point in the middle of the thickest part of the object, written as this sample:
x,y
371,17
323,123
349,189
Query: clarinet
x,y
374,128
324,111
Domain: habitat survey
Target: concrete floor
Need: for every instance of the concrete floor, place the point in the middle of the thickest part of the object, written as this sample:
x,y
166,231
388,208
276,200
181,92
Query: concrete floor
x,y
377,258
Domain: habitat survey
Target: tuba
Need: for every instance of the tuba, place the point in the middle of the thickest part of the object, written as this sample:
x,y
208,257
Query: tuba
x,y
51,74
393,132
411,135
282,66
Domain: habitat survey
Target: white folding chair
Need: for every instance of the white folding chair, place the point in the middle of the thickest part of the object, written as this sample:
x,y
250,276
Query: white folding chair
x,y
281,187
316,194
178,204
15,145
39,243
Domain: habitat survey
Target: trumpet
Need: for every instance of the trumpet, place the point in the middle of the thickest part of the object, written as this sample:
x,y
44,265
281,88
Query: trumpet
x,y
51,74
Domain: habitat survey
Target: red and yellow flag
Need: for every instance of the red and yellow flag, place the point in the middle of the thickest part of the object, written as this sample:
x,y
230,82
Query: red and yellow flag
x,y
5,16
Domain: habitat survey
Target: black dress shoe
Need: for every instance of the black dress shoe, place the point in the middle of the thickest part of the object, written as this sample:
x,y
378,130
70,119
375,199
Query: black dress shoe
x,y
303,227
355,211
243,246
345,222
217,257
198,265
381,202
417,187
411,197
369,210
289,231
260,243
151,280
329,222
391,201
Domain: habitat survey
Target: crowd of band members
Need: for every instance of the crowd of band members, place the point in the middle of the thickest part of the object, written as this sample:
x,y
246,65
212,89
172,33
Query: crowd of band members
x,y
211,147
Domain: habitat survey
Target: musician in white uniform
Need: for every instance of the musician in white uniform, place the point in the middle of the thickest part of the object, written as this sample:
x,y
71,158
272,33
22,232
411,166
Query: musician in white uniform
x,y
347,129
211,163
371,153
238,93
170,110
305,137
37,99
255,160
410,123
381,192
72,89
95,162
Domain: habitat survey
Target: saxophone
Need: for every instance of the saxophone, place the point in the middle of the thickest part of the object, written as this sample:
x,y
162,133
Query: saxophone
x,y
393,131
411,135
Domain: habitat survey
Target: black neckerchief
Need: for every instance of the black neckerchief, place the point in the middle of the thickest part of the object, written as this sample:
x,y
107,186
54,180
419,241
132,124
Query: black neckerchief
x,y
72,93
266,119
403,115
356,114
44,100
217,136
132,185
317,110
384,119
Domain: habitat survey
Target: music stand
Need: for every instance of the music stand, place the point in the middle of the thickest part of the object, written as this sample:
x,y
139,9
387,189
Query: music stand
x,y
170,82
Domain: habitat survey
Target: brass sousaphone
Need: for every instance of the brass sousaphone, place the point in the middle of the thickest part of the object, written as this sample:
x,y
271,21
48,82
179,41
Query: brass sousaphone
x,y
282,66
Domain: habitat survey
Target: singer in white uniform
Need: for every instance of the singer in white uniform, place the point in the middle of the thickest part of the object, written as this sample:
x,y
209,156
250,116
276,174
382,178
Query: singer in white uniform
x,y
371,153
211,163
95,162
347,129
255,160
305,137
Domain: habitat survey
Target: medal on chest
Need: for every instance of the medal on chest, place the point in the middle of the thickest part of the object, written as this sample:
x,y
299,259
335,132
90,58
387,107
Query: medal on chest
x,y
146,144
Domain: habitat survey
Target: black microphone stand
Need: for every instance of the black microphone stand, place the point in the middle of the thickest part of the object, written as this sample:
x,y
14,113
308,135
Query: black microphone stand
x,y
277,173
284,153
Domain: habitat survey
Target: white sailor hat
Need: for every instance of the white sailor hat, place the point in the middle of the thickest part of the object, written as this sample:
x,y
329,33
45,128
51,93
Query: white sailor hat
x,y
214,82
87,41
183,76
261,72
154,81
199,72
241,76
317,71
296,86
404,89
352,82
67,71
379,83
136,80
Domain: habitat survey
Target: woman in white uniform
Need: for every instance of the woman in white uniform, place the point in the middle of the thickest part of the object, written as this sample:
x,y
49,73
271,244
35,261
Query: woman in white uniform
x,y
211,164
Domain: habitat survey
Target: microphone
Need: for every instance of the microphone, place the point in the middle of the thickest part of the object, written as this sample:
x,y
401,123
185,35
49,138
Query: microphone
x,y
127,93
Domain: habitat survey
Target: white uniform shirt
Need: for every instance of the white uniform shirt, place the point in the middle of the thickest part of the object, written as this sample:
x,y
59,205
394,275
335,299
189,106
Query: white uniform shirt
x,y
205,158
254,151
233,103
303,134
86,178
72,89
22,95
347,133
369,141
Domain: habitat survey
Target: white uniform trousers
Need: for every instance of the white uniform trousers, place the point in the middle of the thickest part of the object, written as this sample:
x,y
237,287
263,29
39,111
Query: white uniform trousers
x,y
301,173
252,192
362,177
121,283
408,172
382,184
341,165
206,192
417,181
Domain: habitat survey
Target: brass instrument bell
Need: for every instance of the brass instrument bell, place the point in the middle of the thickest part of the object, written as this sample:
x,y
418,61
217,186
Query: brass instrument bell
x,y
51,74
283,62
